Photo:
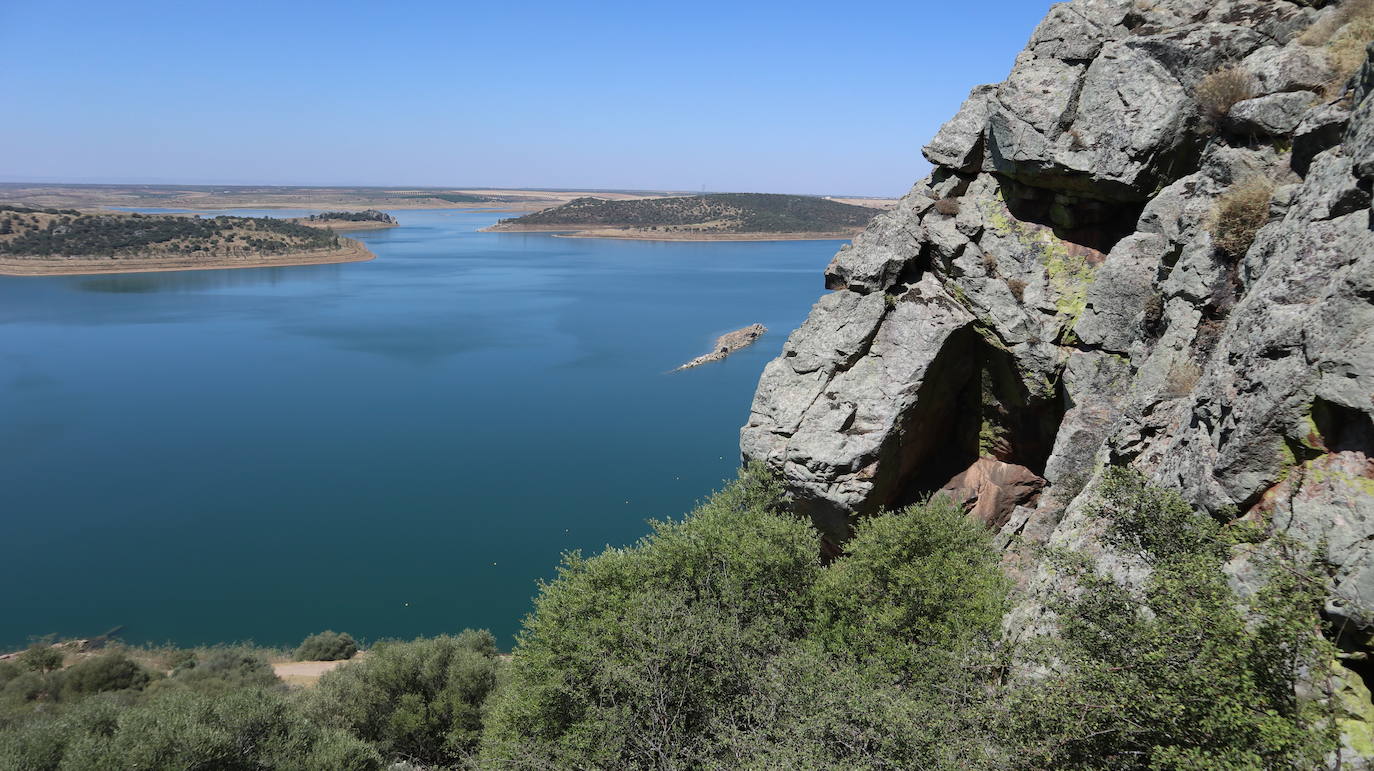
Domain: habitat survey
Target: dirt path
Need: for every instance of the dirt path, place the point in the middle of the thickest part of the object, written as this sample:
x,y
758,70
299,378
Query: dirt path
x,y
306,673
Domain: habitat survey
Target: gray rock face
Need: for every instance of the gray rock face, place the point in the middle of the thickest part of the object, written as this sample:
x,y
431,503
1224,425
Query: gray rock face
x,y
1275,115
1277,69
1050,299
1359,140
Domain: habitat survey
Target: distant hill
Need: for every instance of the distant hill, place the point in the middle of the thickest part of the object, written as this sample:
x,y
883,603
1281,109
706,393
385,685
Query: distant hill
x,y
719,214
38,240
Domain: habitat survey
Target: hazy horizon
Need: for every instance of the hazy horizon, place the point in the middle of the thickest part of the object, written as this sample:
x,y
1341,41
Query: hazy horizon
x,y
768,97
134,182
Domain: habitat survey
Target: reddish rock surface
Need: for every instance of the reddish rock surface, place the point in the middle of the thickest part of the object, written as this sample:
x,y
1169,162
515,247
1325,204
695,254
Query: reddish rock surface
x,y
990,490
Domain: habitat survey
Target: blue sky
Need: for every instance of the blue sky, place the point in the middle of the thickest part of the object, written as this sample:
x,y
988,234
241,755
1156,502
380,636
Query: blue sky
x,y
770,96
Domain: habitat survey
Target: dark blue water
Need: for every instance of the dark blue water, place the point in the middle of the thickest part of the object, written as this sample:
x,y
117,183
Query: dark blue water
x,y
392,448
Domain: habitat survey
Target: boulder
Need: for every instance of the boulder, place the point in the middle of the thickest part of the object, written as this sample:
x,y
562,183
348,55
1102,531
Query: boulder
x,y
1275,115
990,490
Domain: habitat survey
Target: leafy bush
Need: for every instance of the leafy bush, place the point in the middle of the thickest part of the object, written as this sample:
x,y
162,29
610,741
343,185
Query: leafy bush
x,y
721,641
42,658
1218,92
241,729
222,669
1182,672
418,700
326,646
1240,212
113,671
912,591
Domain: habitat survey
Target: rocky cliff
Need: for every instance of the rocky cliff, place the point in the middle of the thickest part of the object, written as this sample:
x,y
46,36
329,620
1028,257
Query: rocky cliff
x,y
1150,246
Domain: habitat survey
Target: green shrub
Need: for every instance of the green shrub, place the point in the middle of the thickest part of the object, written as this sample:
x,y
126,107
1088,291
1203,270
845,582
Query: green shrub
x,y
418,700
326,646
39,741
721,642
8,671
42,658
640,656
1181,672
113,671
222,669
246,728
1240,212
913,590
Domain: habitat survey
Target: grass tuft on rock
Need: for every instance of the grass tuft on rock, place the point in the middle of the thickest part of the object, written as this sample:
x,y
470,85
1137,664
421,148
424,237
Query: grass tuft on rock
x,y
1240,212
1218,92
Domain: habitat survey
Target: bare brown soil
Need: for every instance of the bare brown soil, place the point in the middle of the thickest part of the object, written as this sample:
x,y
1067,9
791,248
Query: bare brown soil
x,y
306,674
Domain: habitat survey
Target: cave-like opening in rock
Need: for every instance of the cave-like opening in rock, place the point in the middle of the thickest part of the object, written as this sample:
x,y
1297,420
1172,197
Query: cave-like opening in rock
x,y
974,403
1077,219
1343,429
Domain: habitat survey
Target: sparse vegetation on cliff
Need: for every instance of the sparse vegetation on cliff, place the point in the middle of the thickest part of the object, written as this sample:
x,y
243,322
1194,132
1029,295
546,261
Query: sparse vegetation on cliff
x,y
1180,670
1240,213
1217,93
1344,34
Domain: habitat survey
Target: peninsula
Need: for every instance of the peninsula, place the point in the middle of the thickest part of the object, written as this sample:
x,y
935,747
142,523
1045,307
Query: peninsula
x,y
710,217
47,242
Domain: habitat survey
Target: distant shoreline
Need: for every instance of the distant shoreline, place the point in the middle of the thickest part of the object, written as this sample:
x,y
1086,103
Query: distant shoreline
x,y
351,251
652,235
343,225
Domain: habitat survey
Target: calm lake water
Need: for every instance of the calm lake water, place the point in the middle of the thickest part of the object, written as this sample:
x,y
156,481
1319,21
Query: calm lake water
x,y
394,448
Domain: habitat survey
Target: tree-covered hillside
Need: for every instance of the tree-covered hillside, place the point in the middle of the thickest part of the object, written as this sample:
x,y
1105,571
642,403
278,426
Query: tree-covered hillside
x,y
368,215
716,212
28,233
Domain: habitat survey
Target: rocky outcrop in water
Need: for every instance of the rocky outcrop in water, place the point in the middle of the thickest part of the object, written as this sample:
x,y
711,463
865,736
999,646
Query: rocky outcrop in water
x,y
727,344
1063,293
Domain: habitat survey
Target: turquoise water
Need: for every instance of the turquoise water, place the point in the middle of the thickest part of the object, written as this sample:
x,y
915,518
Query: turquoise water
x,y
394,448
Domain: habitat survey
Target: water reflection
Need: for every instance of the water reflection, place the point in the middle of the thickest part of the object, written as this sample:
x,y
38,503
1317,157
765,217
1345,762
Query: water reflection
x,y
203,280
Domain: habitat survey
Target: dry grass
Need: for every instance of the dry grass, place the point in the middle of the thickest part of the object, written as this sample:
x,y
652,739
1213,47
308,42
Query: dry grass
x,y
1240,212
1217,93
1018,289
1345,35
948,207
989,263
